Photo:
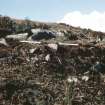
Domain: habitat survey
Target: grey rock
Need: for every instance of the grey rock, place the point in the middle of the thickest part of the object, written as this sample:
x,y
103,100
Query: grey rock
x,y
42,34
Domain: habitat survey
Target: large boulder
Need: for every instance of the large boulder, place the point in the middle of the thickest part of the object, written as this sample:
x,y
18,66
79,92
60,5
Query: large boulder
x,y
22,36
42,34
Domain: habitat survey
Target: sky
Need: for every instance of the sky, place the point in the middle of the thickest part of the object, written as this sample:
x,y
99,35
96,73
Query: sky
x,y
73,12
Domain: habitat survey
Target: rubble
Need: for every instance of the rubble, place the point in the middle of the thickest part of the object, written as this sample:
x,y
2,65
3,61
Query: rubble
x,y
39,75
59,72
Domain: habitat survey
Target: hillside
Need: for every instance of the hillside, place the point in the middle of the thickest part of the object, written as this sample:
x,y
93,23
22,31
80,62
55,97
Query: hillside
x,y
51,64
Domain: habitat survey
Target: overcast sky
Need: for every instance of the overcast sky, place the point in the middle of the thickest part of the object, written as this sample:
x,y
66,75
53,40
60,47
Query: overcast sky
x,y
68,11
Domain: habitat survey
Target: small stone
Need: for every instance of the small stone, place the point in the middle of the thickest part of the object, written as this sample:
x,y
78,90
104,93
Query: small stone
x,y
85,78
3,41
47,58
32,51
53,46
72,79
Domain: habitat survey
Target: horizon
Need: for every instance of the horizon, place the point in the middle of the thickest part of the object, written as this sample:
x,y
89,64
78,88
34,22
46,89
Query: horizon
x,y
86,14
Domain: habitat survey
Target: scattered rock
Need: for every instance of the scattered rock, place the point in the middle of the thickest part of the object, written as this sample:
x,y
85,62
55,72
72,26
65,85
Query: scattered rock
x,y
34,70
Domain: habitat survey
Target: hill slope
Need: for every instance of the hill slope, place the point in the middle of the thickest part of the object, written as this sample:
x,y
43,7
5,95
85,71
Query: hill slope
x,y
52,64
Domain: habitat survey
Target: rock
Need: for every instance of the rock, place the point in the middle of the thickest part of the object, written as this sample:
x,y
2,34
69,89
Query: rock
x,y
72,79
20,37
85,78
99,67
34,59
32,51
42,34
3,41
53,46
12,42
59,33
35,30
31,42
47,58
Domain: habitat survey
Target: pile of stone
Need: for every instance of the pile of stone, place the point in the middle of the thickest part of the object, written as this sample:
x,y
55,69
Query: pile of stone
x,y
52,64
41,74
